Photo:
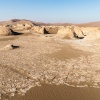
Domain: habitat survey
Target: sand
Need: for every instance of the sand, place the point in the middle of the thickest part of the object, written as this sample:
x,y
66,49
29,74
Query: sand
x,y
42,59
8,38
67,52
61,92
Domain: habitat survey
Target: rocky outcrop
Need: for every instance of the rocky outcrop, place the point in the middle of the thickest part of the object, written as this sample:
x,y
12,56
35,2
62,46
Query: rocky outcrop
x,y
70,32
25,26
45,29
38,29
64,33
50,30
4,31
91,32
28,26
78,31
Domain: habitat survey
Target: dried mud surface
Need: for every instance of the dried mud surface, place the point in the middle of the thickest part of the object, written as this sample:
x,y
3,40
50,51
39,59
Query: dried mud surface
x,y
49,60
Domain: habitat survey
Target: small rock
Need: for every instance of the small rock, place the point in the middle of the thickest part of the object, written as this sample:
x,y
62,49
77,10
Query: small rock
x,y
9,47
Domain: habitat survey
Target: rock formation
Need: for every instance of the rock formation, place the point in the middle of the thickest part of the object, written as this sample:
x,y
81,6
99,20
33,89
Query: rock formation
x,y
4,31
23,26
70,32
18,27
91,32
38,29
50,30
64,33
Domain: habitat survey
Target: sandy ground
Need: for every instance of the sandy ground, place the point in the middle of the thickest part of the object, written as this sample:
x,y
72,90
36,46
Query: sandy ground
x,y
61,92
41,59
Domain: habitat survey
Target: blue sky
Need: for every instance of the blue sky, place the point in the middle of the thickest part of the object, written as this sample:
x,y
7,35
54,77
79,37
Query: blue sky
x,y
54,11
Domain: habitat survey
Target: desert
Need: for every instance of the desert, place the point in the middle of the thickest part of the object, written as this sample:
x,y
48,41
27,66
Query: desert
x,y
33,56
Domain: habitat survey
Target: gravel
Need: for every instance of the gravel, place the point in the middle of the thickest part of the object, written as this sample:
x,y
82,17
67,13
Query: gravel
x,y
29,66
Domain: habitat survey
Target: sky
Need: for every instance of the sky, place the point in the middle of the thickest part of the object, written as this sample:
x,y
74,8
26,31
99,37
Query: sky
x,y
51,11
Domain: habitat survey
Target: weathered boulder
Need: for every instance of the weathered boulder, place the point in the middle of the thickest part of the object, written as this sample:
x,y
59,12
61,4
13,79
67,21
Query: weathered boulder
x,y
20,26
64,33
91,32
9,47
78,31
70,32
4,31
28,26
50,30
38,29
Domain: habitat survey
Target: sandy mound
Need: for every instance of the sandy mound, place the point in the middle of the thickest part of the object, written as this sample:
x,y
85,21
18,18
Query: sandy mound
x,y
4,31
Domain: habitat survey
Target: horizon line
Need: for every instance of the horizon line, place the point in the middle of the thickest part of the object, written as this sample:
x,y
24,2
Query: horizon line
x,y
51,22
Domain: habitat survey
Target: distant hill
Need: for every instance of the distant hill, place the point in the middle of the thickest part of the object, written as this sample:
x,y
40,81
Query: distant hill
x,y
91,24
23,21
15,21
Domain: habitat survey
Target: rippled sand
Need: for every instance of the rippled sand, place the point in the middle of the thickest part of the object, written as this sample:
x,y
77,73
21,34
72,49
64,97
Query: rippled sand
x,y
61,92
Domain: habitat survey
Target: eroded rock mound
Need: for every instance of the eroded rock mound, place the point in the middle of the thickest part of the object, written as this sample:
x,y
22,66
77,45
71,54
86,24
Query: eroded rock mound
x,y
64,33
91,32
50,30
38,29
5,31
70,32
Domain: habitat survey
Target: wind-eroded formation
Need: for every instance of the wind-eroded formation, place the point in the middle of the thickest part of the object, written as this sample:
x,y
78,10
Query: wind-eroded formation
x,y
31,55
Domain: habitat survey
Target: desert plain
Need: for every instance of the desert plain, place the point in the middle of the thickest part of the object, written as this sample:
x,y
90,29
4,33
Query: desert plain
x,y
49,62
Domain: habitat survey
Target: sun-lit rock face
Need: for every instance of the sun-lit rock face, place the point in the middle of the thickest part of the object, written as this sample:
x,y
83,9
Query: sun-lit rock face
x,y
28,26
78,31
20,26
38,29
70,32
74,32
50,30
4,31
23,26
64,33
45,29
91,32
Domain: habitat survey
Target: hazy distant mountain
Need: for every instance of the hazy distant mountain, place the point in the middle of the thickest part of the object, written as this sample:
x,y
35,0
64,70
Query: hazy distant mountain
x,y
23,21
92,24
